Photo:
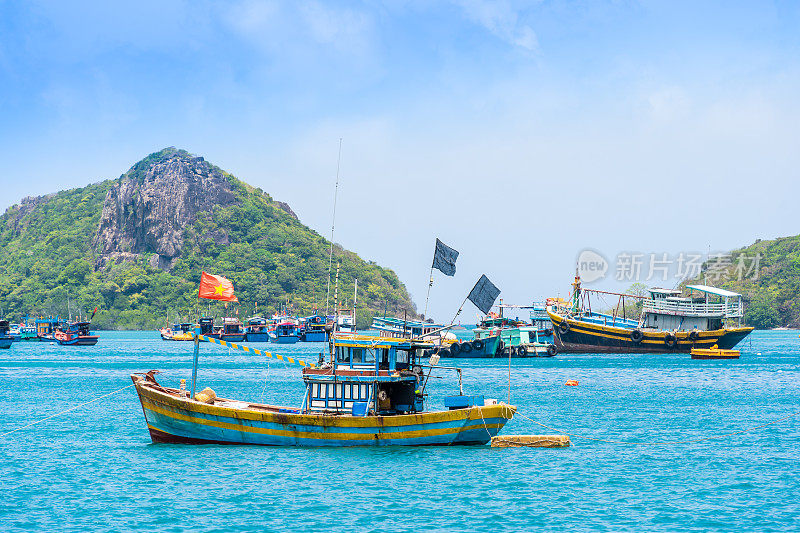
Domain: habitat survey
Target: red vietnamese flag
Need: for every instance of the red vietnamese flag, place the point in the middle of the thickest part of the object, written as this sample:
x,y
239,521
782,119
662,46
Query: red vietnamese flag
x,y
216,288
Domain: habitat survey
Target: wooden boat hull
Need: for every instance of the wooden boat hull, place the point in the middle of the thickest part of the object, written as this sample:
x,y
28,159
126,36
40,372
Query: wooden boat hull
x,y
173,419
232,337
314,336
284,339
89,340
5,342
489,350
258,337
584,337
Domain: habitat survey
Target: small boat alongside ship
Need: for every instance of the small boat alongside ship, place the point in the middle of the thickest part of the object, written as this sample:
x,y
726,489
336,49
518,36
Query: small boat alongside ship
x,y
667,322
370,392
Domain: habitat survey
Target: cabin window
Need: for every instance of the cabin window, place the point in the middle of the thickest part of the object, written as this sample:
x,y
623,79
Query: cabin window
x,y
363,392
357,355
341,354
383,358
315,390
402,357
338,390
347,391
369,356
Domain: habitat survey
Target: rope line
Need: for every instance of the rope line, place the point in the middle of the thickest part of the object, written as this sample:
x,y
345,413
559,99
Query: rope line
x,y
67,410
661,443
244,348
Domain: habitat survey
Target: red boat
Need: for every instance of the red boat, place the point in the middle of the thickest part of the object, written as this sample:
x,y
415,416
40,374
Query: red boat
x,y
76,334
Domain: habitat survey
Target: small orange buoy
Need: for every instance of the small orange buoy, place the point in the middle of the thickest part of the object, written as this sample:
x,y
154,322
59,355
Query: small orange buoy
x,y
571,383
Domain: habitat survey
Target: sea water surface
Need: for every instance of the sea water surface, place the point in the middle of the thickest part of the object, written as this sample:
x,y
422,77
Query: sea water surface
x,y
95,468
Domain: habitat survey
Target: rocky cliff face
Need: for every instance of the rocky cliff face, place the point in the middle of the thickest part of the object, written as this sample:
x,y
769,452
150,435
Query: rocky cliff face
x,y
146,212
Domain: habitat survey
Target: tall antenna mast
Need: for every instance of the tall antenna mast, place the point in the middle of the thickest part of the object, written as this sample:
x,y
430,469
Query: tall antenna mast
x,y
336,298
355,298
333,224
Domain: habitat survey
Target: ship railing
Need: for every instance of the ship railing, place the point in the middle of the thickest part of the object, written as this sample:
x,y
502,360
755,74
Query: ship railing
x,y
720,309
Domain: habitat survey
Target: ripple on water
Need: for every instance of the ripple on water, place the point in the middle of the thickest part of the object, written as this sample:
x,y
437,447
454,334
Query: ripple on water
x,y
95,468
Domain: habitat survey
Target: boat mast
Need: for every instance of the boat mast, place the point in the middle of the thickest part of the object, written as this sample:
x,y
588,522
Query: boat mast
x,y
336,299
355,299
333,224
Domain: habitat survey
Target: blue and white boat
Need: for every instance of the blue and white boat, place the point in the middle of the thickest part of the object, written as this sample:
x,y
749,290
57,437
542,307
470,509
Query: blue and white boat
x,y
257,329
314,329
287,332
5,339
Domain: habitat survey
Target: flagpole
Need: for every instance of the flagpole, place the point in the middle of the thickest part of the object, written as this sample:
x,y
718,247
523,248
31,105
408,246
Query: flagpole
x,y
430,284
333,224
459,310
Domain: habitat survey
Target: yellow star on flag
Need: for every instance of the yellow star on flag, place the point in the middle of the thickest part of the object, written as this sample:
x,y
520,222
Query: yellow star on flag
x,y
219,289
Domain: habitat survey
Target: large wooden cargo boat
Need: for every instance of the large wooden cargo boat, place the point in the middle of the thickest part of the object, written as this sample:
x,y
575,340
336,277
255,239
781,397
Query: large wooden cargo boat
x,y
666,322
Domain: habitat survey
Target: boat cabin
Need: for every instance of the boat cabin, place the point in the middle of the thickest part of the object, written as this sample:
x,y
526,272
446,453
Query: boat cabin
x,y
231,326
711,309
403,329
286,329
47,326
182,328
367,375
256,324
4,328
206,325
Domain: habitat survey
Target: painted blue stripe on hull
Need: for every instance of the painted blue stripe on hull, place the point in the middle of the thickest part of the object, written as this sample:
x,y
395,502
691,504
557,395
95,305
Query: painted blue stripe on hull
x,y
193,430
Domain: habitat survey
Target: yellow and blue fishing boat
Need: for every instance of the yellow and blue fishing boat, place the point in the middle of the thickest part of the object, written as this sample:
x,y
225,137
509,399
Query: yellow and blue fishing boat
x,y
665,321
370,392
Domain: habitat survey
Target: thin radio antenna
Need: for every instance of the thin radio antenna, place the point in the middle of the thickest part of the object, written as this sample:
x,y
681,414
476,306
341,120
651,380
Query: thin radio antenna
x,y
333,225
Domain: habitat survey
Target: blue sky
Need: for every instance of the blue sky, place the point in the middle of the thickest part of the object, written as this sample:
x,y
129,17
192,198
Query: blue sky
x,y
517,132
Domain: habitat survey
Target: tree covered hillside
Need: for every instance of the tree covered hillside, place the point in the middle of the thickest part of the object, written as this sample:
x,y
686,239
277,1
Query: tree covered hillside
x,y
53,257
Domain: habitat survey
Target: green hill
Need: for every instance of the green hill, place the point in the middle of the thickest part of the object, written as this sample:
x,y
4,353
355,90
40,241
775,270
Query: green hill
x,y
135,248
767,274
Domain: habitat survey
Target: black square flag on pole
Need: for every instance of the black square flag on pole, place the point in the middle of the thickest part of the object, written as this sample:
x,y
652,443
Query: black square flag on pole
x,y
444,258
483,294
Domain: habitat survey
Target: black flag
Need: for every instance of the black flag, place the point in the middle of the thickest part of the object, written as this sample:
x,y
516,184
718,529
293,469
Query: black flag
x,y
483,294
444,258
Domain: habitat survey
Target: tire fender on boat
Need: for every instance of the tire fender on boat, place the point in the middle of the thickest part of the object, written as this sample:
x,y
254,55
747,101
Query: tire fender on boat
x,y
552,350
670,340
637,335
563,327
477,345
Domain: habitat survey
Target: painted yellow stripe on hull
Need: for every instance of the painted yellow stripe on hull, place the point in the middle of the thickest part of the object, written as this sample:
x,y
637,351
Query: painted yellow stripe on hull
x,y
317,435
500,410
615,333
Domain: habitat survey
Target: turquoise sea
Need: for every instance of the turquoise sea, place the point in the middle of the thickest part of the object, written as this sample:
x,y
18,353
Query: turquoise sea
x,y
95,468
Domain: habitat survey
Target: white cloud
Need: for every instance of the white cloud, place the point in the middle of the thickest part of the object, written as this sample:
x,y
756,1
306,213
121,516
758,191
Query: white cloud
x,y
284,27
502,20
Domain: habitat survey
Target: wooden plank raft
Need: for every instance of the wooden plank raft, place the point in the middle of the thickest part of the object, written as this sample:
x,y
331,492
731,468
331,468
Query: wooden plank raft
x,y
530,441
